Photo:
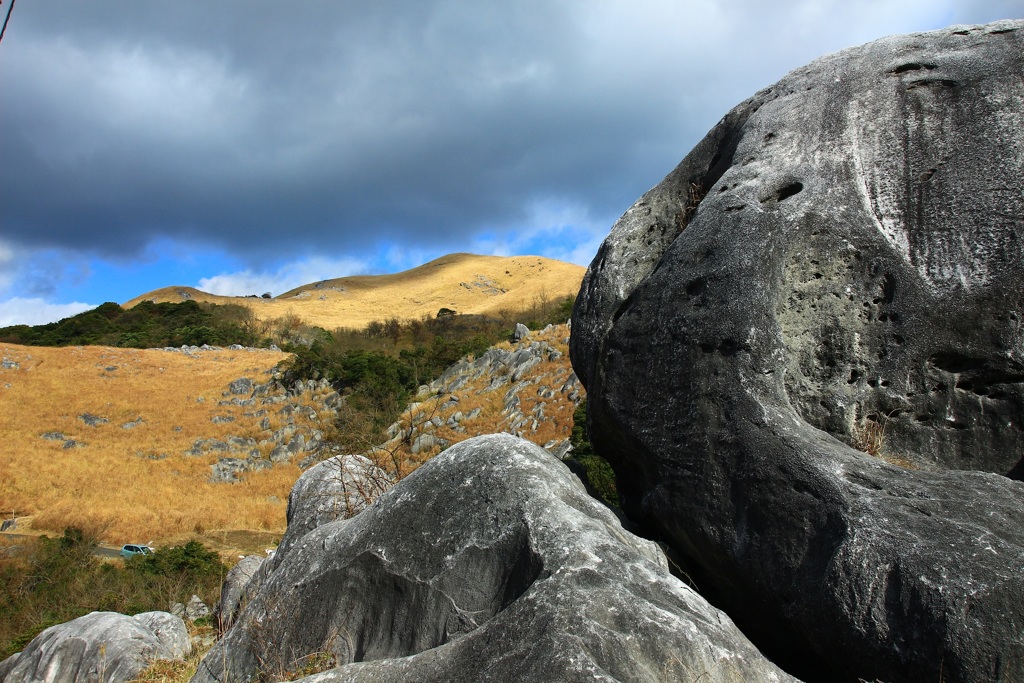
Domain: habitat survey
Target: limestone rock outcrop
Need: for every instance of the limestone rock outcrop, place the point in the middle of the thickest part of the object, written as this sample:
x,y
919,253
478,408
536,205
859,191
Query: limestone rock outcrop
x,y
804,356
538,390
337,488
233,590
102,646
490,562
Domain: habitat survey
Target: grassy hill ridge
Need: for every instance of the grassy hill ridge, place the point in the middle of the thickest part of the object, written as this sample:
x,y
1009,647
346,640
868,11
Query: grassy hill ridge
x,y
466,283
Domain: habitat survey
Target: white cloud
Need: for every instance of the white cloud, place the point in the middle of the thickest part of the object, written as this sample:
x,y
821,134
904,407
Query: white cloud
x,y
288,276
37,311
555,229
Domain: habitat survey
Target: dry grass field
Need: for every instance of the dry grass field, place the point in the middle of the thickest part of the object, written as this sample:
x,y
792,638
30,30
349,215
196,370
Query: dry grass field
x,y
137,484
462,282
130,484
129,480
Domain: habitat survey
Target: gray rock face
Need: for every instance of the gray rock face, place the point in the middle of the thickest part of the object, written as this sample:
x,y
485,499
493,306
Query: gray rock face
x,y
425,442
169,630
228,470
489,562
243,386
836,265
335,489
233,590
196,609
93,420
520,332
101,646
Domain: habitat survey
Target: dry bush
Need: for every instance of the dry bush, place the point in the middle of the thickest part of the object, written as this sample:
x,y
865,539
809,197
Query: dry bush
x,y
694,196
868,435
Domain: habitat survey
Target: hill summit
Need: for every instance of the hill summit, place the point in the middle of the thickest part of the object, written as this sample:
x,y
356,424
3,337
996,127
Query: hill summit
x,y
466,283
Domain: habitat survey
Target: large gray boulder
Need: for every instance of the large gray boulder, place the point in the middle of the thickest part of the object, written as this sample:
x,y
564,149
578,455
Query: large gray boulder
x,y
836,268
337,488
490,562
105,647
233,590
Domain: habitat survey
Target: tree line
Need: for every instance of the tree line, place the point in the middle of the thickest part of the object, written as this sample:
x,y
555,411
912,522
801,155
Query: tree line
x,y
377,367
146,325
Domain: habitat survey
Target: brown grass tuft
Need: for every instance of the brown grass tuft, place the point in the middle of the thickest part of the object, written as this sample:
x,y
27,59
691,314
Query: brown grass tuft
x,y
868,435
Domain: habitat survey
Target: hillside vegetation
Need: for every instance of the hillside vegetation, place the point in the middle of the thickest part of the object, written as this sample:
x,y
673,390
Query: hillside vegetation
x,y
144,326
135,475
492,286
53,580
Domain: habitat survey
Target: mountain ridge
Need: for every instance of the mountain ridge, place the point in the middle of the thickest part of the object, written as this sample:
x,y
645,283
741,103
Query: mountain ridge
x,y
466,283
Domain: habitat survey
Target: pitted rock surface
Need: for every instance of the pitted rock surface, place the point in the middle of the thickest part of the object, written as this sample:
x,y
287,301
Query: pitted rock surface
x,y
490,562
835,267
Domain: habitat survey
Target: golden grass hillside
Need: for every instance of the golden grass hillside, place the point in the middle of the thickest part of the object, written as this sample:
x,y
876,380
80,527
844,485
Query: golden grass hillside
x,y
131,484
465,283
138,485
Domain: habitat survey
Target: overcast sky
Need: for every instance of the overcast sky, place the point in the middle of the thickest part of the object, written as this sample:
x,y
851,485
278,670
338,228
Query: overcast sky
x,y
245,146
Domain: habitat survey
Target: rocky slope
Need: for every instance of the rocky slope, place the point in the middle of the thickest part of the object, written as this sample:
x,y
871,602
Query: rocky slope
x,y
194,420
524,388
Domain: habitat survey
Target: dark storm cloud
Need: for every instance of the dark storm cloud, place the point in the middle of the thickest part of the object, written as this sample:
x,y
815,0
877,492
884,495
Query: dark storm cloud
x,y
341,124
334,122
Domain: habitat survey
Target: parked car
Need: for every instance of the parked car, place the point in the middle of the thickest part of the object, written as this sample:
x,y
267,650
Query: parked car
x,y
129,550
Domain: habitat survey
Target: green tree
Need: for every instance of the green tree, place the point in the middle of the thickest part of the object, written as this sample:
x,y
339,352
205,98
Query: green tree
x,y
600,474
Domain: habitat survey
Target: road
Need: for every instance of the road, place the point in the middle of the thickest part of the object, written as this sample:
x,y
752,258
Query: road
x,y
99,551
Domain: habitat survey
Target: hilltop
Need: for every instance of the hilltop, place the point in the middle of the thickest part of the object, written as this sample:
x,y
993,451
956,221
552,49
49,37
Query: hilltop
x,y
466,283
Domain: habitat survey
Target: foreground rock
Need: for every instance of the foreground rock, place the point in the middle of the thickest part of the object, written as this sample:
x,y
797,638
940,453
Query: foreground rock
x,y
337,488
837,264
490,562
233,590
101,646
